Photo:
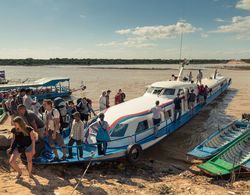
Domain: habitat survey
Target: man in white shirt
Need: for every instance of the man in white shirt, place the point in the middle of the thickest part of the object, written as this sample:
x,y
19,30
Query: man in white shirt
x,y
27,100
76,135
52,125
157,110
102,101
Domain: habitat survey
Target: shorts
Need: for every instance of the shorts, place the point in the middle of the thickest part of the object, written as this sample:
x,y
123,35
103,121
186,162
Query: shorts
x,y
23,149
84,117
29,148
156,121
59,139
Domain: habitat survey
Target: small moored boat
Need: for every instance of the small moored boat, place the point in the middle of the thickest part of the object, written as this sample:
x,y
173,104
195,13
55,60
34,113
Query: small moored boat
x,y
230,159
219,140
45,88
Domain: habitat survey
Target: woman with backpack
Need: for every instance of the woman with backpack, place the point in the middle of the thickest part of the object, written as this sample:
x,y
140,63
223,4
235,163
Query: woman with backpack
x,y
23,141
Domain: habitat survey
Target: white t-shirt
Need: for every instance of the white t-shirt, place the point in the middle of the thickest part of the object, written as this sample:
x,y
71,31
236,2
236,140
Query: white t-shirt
x,y
156,112
102,102
49,117
27,102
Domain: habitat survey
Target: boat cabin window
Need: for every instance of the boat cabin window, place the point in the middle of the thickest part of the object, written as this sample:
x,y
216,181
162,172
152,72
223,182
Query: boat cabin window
x,y
155,90
119,130
142,126
169,92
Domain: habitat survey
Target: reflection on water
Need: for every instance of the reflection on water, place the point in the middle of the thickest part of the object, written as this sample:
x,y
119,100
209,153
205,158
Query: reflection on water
x,y
227,107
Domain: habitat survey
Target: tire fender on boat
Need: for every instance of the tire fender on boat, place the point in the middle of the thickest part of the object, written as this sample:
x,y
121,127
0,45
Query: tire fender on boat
x,y
134,153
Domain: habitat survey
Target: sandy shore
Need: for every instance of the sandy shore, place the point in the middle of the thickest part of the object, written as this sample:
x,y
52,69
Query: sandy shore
x,y
150,177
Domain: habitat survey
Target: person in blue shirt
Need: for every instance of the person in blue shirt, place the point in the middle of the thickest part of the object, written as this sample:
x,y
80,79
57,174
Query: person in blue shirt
x,y
102,136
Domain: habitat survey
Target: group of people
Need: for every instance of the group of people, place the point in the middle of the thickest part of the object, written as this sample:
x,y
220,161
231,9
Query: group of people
x,y
199,77
31,128
104,100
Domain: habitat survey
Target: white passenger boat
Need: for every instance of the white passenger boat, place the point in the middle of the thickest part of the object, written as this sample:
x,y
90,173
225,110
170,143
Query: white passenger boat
x,y
131,125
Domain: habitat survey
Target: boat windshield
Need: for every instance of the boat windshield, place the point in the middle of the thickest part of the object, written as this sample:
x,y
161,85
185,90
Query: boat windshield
x,y
161,91
155,90
119,130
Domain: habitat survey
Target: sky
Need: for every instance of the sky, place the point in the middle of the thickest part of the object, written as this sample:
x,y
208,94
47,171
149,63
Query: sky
x,y
212,29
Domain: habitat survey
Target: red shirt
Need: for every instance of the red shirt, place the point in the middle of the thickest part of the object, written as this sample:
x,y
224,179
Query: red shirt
x,y
118,99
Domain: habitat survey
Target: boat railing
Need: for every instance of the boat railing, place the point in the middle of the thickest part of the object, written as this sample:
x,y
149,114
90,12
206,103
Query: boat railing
x,y
94,145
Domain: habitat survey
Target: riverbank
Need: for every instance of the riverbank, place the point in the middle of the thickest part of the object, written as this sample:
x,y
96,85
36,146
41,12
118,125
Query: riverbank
x,y
146,177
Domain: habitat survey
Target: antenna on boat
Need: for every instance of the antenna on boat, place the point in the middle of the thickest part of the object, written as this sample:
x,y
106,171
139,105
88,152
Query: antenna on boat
x,y
185,61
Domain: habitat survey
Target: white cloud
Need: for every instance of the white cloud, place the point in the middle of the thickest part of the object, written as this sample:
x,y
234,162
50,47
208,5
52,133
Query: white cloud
x,y
123,31
240,26
243,4
161,31
219,20
144,37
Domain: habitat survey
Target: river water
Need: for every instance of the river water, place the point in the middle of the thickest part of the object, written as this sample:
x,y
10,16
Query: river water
x,y
228,106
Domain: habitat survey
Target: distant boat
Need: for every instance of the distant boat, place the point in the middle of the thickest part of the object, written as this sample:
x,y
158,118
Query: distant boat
x,y
2,77
219,140
45,88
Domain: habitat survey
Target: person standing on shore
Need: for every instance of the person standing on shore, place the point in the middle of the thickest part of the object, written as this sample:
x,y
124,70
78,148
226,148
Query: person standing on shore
x,y
102,136
52,128
102,101
123,95
157,110
24,140
118,98
31,119
19,97
199,76
27,100
76,135
107,99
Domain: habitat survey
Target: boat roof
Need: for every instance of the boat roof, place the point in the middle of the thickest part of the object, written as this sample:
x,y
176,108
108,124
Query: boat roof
x,y
172,84
132,108
45,82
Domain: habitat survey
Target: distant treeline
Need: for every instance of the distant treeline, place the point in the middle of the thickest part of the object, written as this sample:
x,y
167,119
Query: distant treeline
x,y
88,61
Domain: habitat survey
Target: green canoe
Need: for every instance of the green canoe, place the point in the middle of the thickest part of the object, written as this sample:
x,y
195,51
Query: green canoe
x,y
3,114
231,158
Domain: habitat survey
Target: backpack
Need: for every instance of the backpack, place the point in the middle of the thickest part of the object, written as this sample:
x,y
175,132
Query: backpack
x,y
102,134
60,105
